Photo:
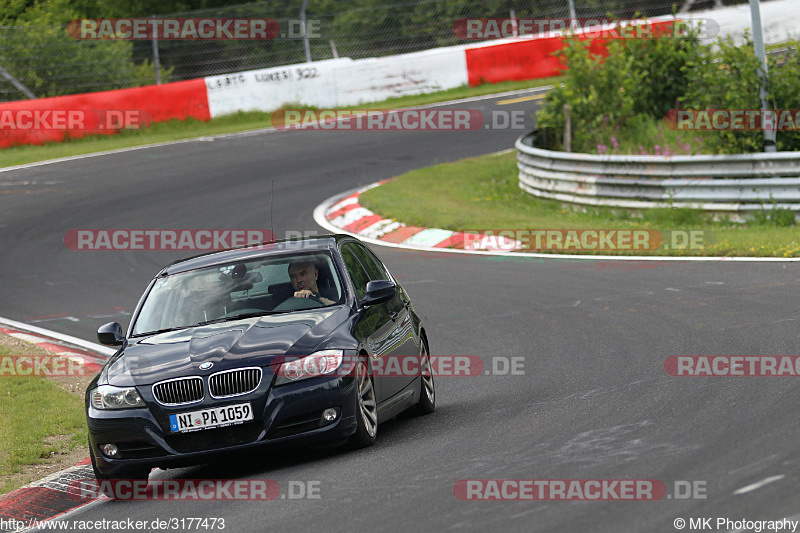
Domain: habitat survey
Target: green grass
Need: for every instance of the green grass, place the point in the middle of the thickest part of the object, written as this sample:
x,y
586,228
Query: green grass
x,y
243,121
483,193
35,409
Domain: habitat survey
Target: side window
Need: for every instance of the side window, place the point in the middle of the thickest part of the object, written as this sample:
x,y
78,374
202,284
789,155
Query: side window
x,y
372,265
357,273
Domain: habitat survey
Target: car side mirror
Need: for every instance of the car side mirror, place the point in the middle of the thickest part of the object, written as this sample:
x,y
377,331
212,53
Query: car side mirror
x,y
378,291
110,334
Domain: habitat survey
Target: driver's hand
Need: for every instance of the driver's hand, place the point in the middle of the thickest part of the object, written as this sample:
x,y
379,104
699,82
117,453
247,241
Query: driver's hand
x,y
305,293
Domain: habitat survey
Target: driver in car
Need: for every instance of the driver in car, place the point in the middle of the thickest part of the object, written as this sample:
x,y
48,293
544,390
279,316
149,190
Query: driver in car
x,y
303,276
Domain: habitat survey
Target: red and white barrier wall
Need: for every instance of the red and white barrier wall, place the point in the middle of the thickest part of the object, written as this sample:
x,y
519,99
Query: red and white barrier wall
x,y
158,103
330,83
337,82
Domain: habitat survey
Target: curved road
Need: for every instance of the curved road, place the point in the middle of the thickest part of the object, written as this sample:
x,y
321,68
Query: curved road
x,y
594,402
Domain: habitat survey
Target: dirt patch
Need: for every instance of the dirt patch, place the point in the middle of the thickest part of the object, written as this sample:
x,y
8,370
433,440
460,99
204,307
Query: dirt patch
x,y
57,461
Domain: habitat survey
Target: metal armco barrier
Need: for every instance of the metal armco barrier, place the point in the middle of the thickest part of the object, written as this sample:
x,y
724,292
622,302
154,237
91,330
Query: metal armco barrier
x,y
722,184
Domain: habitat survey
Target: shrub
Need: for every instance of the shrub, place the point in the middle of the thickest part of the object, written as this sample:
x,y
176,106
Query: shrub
x,y
633,83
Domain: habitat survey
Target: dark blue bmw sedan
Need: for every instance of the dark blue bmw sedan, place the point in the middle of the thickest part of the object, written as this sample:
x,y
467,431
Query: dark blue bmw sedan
x,y
256,346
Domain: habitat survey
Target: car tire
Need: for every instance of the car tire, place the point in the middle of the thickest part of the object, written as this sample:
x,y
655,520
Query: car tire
x,y
366,408
141,473
427,393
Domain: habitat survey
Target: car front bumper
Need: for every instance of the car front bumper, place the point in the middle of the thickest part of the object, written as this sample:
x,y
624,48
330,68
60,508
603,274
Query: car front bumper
x,y
288,414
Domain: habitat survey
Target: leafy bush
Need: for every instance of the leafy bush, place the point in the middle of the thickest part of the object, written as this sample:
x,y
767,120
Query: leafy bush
x,y
40,53
617,100
726,76
634,83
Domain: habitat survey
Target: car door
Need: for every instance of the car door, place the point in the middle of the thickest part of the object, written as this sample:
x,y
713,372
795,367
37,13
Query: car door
x,y
399,359
375,325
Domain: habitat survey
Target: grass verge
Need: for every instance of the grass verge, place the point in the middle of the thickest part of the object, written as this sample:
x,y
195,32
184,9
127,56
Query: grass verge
x,y
175,130
43,427
483,193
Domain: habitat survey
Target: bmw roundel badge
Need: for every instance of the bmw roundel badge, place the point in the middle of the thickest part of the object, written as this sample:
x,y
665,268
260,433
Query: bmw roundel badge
x,y
206,366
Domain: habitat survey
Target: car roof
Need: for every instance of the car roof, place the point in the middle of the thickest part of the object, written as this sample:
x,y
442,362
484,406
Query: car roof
x,y
319,243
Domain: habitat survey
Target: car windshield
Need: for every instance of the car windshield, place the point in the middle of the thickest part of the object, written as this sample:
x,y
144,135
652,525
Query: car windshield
x,y
238,290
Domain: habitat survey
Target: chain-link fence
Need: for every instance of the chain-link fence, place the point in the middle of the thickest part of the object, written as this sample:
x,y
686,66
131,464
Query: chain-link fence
x,y
49,62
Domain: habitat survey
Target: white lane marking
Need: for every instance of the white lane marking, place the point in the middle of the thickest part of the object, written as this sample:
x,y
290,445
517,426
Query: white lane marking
x,y
248,133
57,318
751,465
758,484
321,209
27,338
69,339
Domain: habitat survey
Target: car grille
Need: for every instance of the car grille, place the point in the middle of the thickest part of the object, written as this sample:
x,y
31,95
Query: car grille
x,y
234,382
179,391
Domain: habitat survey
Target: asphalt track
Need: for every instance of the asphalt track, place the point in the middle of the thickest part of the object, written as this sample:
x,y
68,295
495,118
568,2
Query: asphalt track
x,y
594,402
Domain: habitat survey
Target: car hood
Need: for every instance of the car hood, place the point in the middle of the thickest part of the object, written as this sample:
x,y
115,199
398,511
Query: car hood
x,y
247,342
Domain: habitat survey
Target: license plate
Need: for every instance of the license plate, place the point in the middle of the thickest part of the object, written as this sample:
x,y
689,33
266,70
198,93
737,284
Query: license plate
x,y
211,418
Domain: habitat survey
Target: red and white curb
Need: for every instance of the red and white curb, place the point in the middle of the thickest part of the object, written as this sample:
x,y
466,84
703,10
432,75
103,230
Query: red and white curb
x,y
349,216
45,499
50,496
343,213
89,361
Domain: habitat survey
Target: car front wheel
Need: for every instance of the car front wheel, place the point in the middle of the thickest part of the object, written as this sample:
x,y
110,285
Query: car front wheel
x,y
366,408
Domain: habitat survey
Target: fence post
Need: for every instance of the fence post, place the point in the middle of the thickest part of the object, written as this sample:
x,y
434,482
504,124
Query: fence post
x,y
758,44
305,31
16,83
156,62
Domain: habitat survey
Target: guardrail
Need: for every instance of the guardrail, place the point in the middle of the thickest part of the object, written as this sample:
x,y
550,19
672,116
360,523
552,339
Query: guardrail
x,y
733,185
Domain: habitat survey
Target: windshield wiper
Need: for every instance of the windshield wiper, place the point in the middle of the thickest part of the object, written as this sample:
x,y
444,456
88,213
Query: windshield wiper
x,y
159,331
237,317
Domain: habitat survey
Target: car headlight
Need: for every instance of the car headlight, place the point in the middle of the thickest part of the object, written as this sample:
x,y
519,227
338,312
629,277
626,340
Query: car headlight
x,y
110,397
317,364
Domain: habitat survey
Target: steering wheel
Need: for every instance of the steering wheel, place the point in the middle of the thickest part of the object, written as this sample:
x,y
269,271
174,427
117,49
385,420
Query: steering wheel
x,y
295,304
243,312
